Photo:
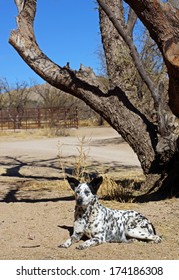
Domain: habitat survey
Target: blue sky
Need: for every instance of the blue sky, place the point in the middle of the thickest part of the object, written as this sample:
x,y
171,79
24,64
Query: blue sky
x,y
66,30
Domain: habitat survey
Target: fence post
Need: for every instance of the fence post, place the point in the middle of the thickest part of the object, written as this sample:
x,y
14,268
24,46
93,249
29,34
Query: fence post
x,y
2,121
38,118
76,118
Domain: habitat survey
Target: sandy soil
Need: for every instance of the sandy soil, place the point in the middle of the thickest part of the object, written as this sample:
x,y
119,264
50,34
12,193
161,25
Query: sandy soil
x,y
36,205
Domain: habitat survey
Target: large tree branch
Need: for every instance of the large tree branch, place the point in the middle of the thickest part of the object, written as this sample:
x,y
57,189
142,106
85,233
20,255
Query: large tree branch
x,y
82,84
114,48
162,22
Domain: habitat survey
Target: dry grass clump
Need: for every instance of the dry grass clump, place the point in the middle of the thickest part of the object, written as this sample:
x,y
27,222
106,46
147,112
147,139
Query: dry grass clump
x,y
111,190
80,165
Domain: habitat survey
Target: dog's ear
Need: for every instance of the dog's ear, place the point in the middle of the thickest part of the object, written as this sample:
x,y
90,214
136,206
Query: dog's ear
x,y
73,182
95,184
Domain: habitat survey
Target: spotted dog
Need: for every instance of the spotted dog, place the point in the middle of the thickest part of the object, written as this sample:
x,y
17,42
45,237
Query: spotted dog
x,y
101,224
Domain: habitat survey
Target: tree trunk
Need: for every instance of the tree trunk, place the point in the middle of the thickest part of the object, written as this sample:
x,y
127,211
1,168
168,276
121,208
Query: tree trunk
x,y
157,153
162,139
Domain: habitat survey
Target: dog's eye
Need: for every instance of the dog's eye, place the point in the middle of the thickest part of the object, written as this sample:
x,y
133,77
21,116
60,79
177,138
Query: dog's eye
x,y
87,193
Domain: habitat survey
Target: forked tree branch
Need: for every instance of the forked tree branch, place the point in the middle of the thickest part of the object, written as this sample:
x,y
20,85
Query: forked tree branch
x,y
113,106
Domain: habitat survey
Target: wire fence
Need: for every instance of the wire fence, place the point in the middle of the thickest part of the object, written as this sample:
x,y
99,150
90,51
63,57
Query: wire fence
x,y
37,118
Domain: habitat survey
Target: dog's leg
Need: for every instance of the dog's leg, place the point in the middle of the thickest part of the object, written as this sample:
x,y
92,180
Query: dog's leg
x,y
73,239
141,234
90,242
78,232
141,228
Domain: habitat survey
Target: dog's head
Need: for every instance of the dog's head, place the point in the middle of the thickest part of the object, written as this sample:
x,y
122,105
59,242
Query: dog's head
x,y
84,192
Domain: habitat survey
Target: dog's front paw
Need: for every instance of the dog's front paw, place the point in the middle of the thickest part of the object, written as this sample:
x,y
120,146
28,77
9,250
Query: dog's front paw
x,y
67,244
158,239
62,246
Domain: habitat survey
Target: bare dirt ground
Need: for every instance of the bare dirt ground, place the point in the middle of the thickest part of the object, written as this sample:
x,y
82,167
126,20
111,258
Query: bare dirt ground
x,y
36,205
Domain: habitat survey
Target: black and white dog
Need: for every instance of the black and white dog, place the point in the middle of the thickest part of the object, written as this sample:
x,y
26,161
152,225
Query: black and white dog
x,y
101,224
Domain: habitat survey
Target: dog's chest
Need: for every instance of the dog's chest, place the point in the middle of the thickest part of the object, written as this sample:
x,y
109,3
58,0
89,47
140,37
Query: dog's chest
x,y
94,222
92,219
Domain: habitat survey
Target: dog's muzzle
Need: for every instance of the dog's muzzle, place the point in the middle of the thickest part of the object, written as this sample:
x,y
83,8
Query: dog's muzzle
x,y
79,201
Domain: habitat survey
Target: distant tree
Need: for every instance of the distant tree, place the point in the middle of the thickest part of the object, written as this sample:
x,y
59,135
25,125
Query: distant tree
x,y
102,69
49,96
15,99
17,95
152,132
2,102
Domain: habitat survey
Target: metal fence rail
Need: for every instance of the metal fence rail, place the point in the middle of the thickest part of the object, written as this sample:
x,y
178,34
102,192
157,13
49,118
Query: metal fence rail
x,y
36,118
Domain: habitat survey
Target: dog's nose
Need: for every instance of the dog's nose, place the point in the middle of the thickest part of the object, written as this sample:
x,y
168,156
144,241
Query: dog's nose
x,y
79,201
